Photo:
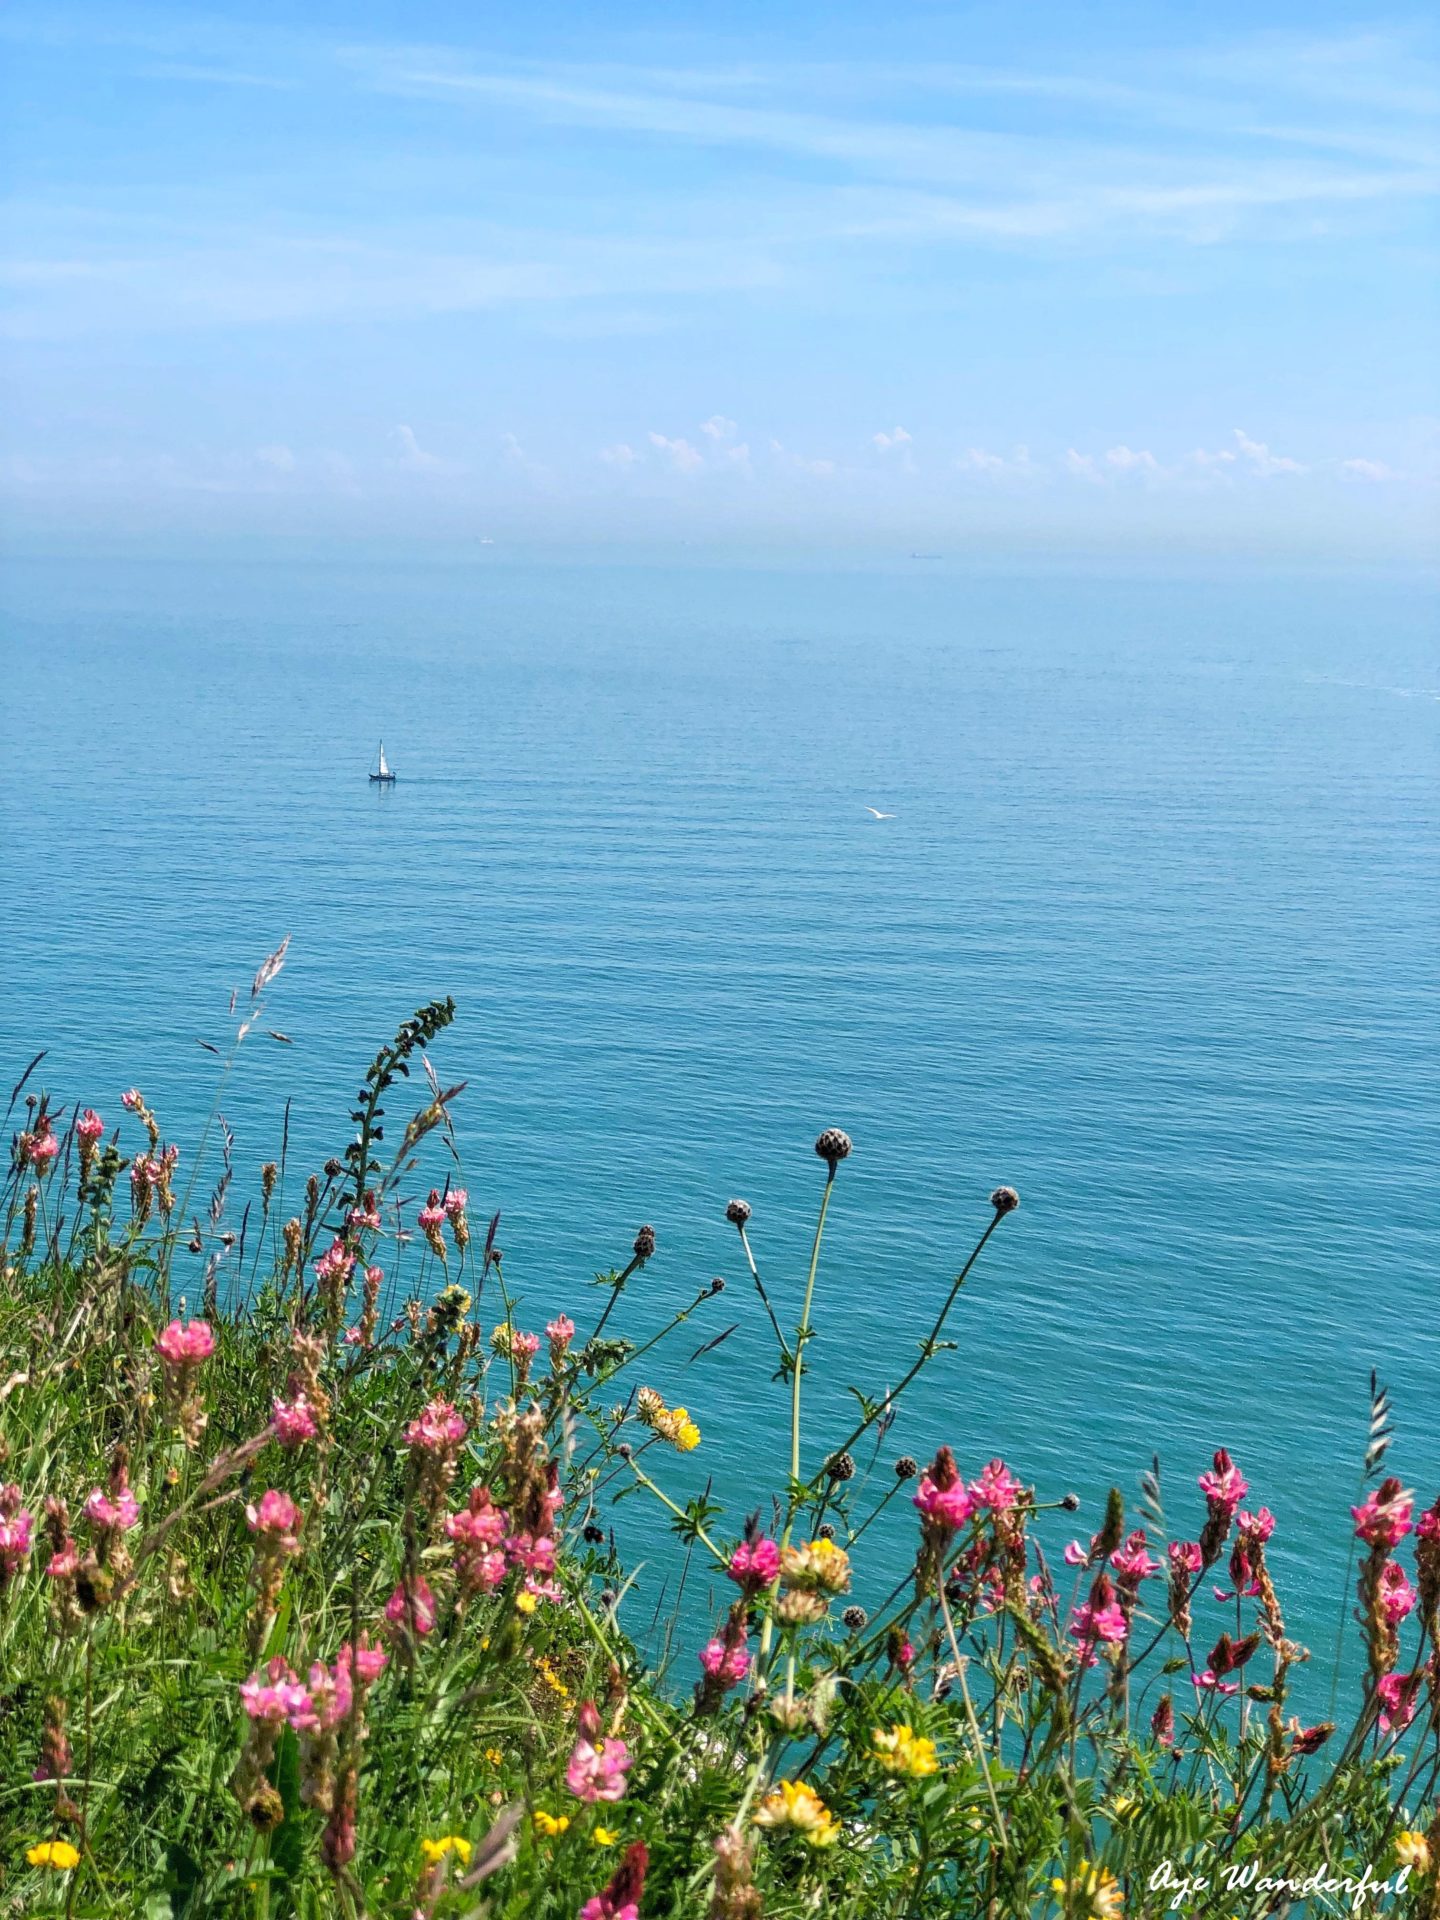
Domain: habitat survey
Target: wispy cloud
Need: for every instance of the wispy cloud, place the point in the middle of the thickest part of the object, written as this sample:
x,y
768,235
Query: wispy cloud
x,y
684,457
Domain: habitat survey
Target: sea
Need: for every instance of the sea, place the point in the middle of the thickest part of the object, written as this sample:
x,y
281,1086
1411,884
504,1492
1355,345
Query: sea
x,y
1148,932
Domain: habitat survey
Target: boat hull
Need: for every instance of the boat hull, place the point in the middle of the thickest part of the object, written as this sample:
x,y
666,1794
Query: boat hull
x,y
382,779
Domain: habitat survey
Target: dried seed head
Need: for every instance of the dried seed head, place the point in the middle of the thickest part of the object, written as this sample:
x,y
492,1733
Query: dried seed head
x,y
906,1467
738,1212
1071,1503
841,1466
1004,1199
717,1285
644,1244
825,1531
855,1618
833,1146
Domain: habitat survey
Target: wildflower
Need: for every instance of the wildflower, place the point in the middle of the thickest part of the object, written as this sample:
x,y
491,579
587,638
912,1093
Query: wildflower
x,y
293,1422
495,1757
456,1201
621,1897
185,1346
277,1515
818,1567
17,1525
89,1126
1224,1486
603,1837
38,1149
736,1896
431,1221
550,1824
132,1100
1132,1561
900,1750
944,1501
833,1146
996,1488
115,1512
841,1466
436,1850
57,1854
276,1699
597,1767
1309,1739
1397,1596
1162,1722
1384,1519
1210,1682
1397,1694
906,1467
438,1428
729,1665
1092,1891
1412,1850
1076,1555
1258,1526
791,1803
559,1332
855,1618
412,1607
1100,1619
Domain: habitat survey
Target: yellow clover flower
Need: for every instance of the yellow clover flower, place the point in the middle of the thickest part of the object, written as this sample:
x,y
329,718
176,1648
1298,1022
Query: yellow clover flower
x,y
899,1749
456,1843
550,1824
790,1803
817,1567
1097,1889
1412,1850
58,1854
604,1837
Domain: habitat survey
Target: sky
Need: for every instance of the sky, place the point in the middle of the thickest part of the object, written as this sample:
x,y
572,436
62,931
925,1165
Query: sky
x,y
1003,277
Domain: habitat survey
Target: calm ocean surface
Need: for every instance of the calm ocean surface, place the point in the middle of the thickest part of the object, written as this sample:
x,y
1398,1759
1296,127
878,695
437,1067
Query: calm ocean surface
x,y
1152,936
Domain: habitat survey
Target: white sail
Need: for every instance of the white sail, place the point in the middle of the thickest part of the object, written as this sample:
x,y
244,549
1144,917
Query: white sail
x,y
384,771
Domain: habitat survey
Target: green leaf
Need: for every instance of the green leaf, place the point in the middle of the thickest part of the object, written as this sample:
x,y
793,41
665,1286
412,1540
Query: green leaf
x,y
287,1843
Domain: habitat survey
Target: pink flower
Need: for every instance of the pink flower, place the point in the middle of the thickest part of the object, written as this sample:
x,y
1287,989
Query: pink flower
x,y
755,1564
415,1610
456,1201
560,1332
905,1656
1185,1557
729,1665
276,1516
367,1663
1093,1622
17,1526
431,1218
524,1346
1162,1721
292,1422
1384,1519
997,1488
39,1148
1076,1554
534,1555
1259,1526
1397,1596
481,1523
132,1100
1224,1487
597,1767
337,1262
944,1507
89,1126
1397,1694
1132,1562
278,1698
1209,1682
438,1429
115,1513
621,1898
1428,1526
185,1346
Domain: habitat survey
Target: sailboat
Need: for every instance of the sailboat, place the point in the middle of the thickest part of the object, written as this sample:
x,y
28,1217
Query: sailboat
x,y
383,772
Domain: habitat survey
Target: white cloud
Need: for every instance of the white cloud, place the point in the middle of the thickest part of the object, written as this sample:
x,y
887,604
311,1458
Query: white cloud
x,y
277,457
897,437
1082,466
997,465
1261,459
412,456
621,455
719,428
683,457
1132,460
1368,470
739,456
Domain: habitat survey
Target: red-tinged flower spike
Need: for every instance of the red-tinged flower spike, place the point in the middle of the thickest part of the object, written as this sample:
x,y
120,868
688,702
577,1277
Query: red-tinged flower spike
x,y
1162,1722
621,1899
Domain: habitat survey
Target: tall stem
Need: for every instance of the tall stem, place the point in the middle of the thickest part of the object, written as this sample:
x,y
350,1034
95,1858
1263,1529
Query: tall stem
x,y
802,1334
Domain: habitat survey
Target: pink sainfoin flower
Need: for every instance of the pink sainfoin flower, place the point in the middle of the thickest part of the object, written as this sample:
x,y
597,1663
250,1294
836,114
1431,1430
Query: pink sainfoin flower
x,y
438,1429
132,1100
1397,1596
414,1610
597,1766
1162,1722
1398,1694
367,1663
1428,1525
1076,1554
1210,1682
560,1332
728,1665
944,1501
480,1523
335,1264
536,1554
456,1201
1132,1561
89,1126
277,1698
1256,1526
1384,1519
292,1422
113,1512
1094,1622
524,1346
755,1564
621,1898
1185,1556
276,1516
431,1220
38,1149
185,1346
1223,1485
17,1530
996,1488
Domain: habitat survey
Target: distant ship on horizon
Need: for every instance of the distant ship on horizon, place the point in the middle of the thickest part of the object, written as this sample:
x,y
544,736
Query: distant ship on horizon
x,y
383,773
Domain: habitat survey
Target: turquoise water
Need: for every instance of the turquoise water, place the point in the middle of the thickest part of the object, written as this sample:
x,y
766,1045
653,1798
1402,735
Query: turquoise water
x,y
1151,936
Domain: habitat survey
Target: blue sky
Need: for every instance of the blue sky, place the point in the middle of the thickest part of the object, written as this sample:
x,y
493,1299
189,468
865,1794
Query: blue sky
x,y
971,276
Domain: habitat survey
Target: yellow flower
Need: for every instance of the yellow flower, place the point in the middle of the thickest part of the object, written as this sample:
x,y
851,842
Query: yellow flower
x,y
1412,1849
456,1843
549,1823
495,1756
525,1603
603,1837
899,1749
1096,1888
54,1853
686,1435
819,1566
790,1803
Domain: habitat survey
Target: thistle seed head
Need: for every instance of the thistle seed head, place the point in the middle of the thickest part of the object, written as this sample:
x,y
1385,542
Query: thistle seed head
x,y
906,1467
833,1146
1004,1199
644,1244
738,1212
841,1466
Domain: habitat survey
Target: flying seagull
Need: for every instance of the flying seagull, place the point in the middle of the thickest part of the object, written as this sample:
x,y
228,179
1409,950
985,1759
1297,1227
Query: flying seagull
x,y
878,815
